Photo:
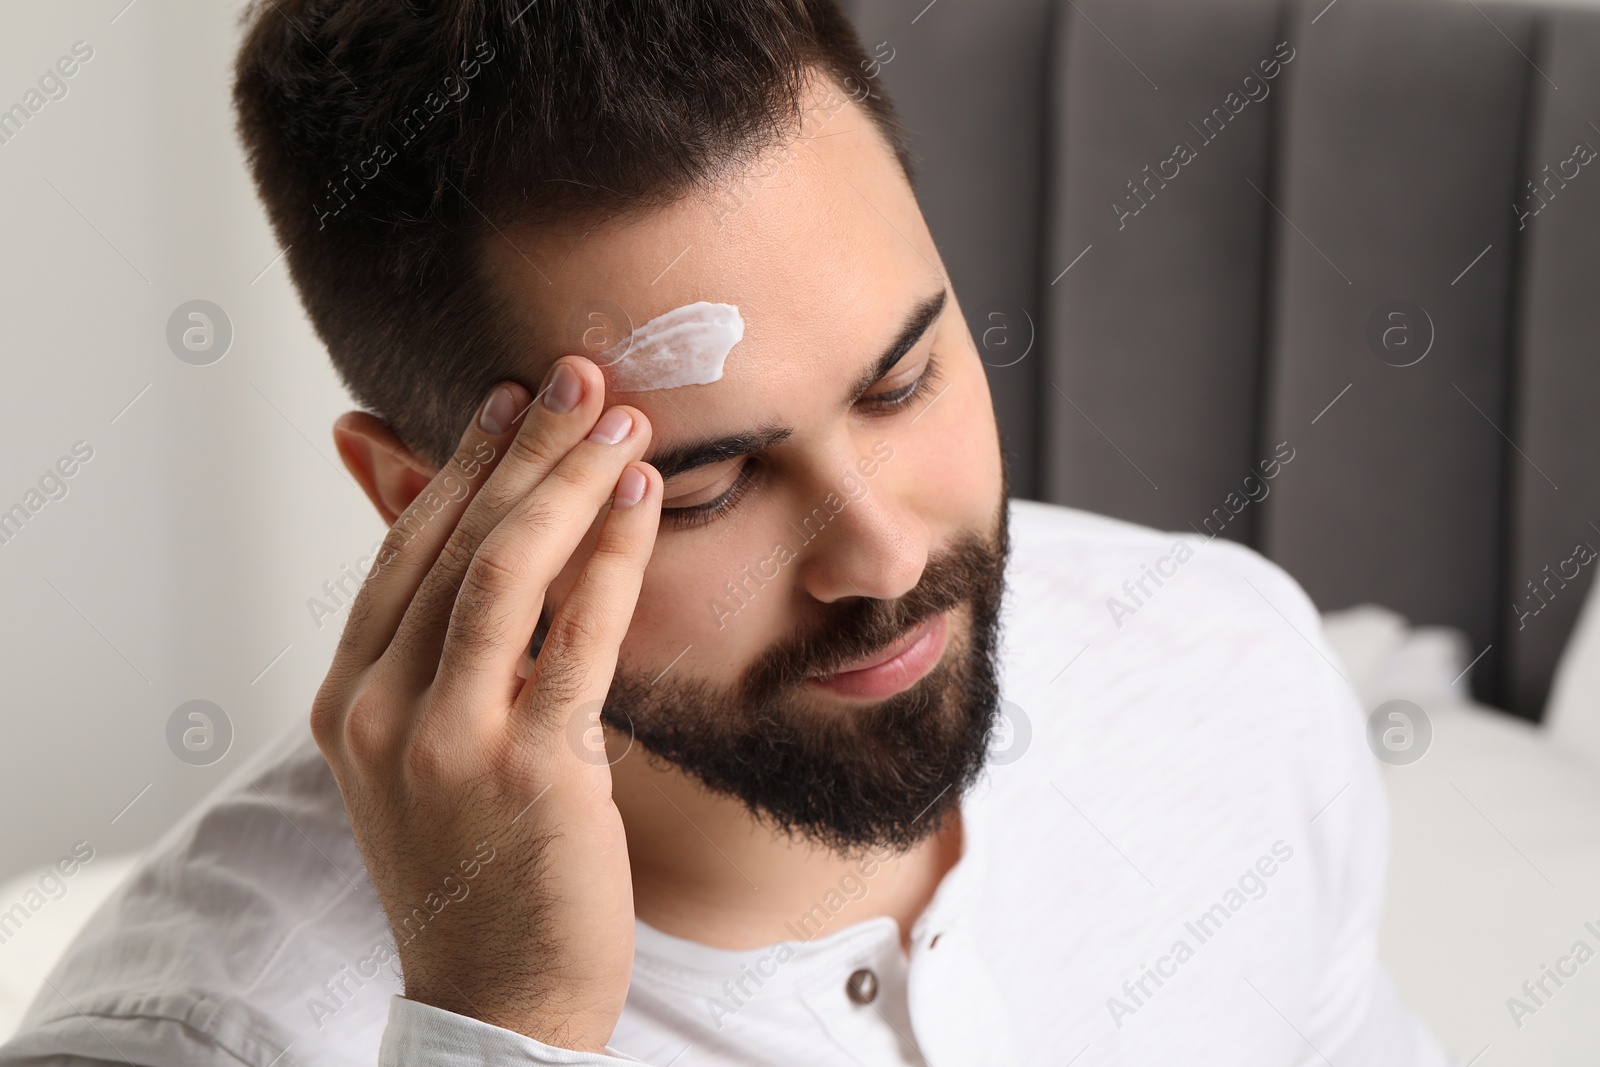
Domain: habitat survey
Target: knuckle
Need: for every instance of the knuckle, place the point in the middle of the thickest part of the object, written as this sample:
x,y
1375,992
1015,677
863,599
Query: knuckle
x,y
533,448
330,708
615,547
327,711
515,761
560,681
411,522
393,541
368,728
476,632
470,458
579,627
455,558
427,762
539,517
451,485
572,476
438,757
499,495
478,622
494,571
466,646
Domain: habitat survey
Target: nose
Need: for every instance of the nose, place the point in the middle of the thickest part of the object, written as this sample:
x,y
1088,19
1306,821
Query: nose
x,y
875,544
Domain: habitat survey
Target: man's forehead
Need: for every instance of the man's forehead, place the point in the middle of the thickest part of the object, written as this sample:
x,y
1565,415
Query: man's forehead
x,y
810,242
788,311
821,248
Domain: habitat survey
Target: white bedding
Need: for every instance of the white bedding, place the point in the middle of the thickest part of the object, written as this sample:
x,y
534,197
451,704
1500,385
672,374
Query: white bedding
x,y
1495,855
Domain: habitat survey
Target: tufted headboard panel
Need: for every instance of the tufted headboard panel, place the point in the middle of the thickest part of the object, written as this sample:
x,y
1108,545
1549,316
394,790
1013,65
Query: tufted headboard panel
x,y
1320,278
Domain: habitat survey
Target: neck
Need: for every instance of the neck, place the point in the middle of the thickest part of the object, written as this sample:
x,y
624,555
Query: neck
x,y
707,871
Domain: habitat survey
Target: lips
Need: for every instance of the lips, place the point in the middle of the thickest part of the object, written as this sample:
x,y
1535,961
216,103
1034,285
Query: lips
x,y
898,646
892,669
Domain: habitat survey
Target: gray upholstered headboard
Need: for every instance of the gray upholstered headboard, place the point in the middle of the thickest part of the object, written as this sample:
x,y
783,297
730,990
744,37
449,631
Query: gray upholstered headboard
x,y
1195,306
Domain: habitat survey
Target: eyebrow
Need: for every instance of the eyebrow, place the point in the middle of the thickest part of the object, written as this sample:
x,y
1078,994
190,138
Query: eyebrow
x,y
691,455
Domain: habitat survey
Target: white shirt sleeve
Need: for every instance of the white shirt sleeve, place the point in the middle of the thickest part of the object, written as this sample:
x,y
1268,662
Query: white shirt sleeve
x,y
421,1035
417,1035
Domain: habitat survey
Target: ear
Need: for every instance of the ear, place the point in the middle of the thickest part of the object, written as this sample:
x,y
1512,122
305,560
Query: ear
x,y
380,463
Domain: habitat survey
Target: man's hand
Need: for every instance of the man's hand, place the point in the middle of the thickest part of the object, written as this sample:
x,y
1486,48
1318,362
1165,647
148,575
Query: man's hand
x,y
489,834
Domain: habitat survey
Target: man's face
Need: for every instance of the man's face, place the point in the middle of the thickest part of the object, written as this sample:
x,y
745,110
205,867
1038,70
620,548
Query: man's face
x,y
869,508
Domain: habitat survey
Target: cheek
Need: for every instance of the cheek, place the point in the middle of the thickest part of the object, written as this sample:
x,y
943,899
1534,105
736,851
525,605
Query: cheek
x,y
953,451
673,609
686,615
951,478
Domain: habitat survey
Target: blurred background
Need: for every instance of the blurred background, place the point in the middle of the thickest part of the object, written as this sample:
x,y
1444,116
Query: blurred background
x,y
1377,257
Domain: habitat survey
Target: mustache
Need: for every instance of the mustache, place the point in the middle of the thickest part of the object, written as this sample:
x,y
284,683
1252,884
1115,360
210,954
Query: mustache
x,y
866,626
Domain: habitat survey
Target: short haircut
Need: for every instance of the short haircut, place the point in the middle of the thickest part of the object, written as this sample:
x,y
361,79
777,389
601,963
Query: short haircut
x,y
390,139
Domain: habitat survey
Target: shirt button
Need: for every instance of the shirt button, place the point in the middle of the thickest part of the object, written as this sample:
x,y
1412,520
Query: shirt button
x,y
862,986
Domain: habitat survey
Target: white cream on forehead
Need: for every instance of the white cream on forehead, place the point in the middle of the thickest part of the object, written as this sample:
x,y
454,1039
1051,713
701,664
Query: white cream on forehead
x,y
684,346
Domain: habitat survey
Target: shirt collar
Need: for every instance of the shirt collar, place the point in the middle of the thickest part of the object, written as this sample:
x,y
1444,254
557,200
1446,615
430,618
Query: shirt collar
x,y
697,968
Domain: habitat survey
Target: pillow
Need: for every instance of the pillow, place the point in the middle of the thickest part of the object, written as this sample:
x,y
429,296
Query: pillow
x,y
1385,658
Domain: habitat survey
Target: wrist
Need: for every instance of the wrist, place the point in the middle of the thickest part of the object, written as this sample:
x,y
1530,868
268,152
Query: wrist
x,y
542,1018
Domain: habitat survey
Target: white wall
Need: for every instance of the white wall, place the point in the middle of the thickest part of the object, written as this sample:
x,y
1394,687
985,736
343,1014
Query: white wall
x,y
179,563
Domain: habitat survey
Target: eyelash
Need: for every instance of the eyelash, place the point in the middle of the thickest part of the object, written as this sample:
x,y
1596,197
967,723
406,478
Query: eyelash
x,y
701,514
906,394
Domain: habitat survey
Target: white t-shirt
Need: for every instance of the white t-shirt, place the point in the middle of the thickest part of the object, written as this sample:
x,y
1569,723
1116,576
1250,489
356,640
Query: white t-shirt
x,y
1176,856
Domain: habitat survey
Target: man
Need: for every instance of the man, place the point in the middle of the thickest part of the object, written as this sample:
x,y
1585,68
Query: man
x,y
664,727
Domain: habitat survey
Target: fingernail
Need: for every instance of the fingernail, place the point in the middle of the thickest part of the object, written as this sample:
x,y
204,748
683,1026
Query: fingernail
x,y
498,411
612,427
630,488
564,391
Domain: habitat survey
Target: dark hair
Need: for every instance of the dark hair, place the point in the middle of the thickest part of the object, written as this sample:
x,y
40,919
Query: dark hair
x,y
389,139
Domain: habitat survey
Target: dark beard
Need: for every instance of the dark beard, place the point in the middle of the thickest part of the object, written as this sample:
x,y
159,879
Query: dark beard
x,y
850,779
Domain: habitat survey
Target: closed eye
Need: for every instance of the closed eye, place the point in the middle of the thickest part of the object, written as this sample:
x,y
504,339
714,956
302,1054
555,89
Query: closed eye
x,y
700,514
906,394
